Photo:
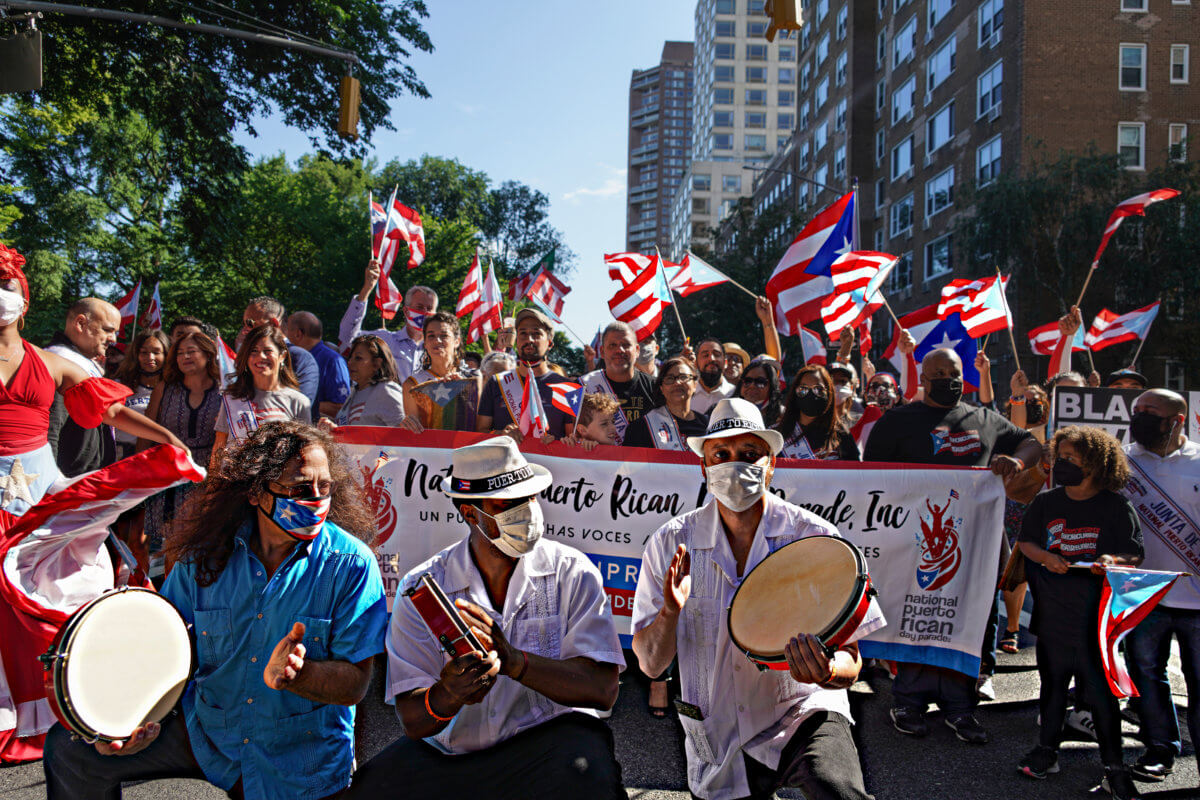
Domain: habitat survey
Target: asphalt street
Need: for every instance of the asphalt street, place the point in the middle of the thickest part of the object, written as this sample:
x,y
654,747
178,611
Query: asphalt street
x,y
896,767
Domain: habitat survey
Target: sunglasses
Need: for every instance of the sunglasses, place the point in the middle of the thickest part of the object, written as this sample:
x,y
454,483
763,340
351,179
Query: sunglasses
x,y
805,391
761,383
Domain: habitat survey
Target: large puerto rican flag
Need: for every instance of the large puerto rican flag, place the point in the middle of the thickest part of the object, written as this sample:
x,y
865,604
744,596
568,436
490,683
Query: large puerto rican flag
x,y
980,303
641,302
931,333
1110,328
693,274
1127,597
1133,207
1043,340
803,278
624,267
128,306
486,317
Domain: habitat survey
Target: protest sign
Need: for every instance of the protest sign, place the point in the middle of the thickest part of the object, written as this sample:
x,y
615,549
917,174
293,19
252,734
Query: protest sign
x,y
1097,407
930,535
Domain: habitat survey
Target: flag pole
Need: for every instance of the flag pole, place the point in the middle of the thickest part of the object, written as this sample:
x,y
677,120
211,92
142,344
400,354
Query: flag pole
x,y
1008,313
1138,352
1086,281
674,298
1091,363
370,226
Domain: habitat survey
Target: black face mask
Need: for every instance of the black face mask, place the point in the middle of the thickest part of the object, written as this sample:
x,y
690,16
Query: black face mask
x,y
812,405
1067,474
945,391
1146,429
1035,414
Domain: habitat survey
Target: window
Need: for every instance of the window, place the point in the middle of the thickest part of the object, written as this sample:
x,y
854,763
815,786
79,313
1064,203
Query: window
x,y
989,88
880,145
820,136
822,174
987,161
756,74
701,182
787,97
901,277
1175,375
723,119
937,258
1179,63
937,10
902,215
802,155
756,119
756,141
880,189
805,74
939,128
941,64
822,92
723,95
1177,137
722,141
991,21
1133,67
902,47
840,119
840,71
756,97
756,52
757,7
822,10
880,48
939,192
724,50
723,72
1133,5
902,158
839,162
880,97
699,205
787,52
843,19
731,183
1131,144
785,122
781,140
726,7
725,27
756,29
822,49
787,74
805,112
805,37
902,100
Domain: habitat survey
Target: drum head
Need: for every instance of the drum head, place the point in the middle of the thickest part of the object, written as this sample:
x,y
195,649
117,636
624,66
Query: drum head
x,y
127,662
804,587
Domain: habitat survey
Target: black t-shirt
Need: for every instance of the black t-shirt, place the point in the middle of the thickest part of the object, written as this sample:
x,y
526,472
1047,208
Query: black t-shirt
x,y
636,396
1066,607
964,436
639,434
491,404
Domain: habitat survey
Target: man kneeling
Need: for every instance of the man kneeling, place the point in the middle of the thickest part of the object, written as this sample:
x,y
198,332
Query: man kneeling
x,y
518,721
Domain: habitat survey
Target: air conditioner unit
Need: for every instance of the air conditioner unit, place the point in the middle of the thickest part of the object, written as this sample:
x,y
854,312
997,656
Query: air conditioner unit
x,y
906,292
909,175
994,39
925,225
928,98
928,35
908,115
994,113
928,159
908,233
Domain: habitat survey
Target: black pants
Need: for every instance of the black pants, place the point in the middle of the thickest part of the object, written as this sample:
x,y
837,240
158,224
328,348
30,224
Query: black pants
x,y
918,685
569,757
987,656
1057,664
75,771
821,760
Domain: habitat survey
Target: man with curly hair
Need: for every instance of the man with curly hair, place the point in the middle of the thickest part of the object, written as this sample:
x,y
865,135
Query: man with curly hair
x,y
274,572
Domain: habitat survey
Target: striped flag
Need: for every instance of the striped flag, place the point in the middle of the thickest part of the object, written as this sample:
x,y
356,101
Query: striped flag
x,y
521,286
226,362
803,279
640,303
624,267
1133,207
128,306
1127,596
1109,328
567,397
693,274
533,420
152,317
859,269
401,224
1043,340
813,347
847,310
980,303
471,293
486,316
548,291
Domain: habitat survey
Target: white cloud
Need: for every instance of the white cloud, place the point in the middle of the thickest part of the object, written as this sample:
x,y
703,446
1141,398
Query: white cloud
x,y
611,186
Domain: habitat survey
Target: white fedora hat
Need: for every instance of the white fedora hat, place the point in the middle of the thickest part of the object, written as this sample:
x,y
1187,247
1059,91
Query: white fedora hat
x,y
734,416
495,469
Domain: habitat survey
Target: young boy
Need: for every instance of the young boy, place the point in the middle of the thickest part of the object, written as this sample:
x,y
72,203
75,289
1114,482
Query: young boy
x,y
595,424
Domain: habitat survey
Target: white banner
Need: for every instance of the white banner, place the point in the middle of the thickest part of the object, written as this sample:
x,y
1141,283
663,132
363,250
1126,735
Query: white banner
x,y
1193,428
930,535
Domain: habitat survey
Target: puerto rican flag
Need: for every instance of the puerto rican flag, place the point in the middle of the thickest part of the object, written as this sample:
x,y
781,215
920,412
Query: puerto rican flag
x,y
1043,340
641,302
152,317
1110,328
624,267
303,513
471,294
813,347
567,397
533,420
1133,207
980,303
1128,595
931,333
226,362
401,224
859,269
128,306
803,278
693,274
549,292
521,286
847,310
487,315
378,220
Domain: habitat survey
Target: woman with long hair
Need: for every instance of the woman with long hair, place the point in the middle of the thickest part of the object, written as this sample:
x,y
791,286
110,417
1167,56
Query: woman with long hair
x,y
434,395
141,371
375,395
187,403
812,423
759,383
263,390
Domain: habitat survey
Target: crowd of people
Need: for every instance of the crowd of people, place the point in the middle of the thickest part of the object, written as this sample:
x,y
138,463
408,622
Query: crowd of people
x,y
269,558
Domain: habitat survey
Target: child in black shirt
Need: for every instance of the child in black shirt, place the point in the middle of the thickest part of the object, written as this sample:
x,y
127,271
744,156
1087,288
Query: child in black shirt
x,y
1082,520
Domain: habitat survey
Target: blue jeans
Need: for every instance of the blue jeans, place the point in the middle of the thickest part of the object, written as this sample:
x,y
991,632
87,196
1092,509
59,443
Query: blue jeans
x,y
1149,647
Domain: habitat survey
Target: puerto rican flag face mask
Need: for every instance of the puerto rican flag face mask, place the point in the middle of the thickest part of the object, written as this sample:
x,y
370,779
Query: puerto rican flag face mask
x,y
300,518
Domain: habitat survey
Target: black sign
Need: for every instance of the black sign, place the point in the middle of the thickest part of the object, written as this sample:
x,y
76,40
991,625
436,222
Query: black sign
x,y
1109,409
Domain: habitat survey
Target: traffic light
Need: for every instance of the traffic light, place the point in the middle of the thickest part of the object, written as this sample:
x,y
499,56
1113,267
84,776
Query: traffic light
x,y
348,108
21,61
785,16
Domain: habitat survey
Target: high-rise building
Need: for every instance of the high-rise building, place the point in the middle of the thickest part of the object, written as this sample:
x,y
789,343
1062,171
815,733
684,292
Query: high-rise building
x,y
660,124
744,111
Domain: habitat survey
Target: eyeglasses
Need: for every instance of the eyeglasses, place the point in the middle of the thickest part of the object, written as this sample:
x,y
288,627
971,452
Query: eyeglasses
x,y
805,391
761,383
671,380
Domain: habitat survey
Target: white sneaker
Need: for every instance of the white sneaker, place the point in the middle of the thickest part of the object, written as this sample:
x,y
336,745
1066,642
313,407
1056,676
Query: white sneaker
x,y
984,688
1081,722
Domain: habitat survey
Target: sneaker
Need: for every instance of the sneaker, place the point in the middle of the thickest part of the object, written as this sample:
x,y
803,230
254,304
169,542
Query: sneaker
x,y
1039,762
1118,783
984,688
1154,765
909,721
1080,721
967,728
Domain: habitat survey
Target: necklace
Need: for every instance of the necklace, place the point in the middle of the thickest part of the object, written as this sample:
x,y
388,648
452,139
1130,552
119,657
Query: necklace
x,y
11,355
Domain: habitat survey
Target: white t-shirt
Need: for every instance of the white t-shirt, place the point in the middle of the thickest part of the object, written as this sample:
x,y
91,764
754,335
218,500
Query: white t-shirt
x,y
282,404
1178,478
704,399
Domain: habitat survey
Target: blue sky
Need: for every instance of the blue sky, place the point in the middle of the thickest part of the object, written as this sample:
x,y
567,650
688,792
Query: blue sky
x,y
537,92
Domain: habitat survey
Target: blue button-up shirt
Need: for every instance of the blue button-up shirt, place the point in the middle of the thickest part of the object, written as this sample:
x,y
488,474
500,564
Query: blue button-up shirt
x,y
280,744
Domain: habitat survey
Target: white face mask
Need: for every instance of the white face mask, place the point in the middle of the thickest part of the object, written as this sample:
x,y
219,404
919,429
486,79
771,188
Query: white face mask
x,y
736,484
520,528
844,392
12,305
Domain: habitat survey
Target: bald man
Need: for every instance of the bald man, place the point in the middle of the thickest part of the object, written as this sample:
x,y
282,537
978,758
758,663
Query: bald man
x,y
304,330
942,429
90,327
1164,470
